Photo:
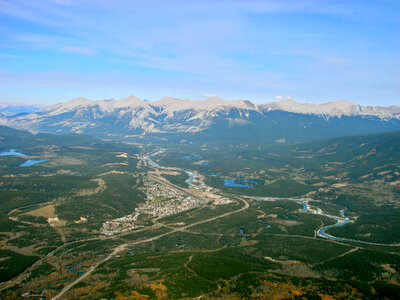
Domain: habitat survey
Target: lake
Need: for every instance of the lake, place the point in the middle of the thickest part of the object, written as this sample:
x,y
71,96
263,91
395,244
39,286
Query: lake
x,y
12,152
202,163
239,183
191,156
31,162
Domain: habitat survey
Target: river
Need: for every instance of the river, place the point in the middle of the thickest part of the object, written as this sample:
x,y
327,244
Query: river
x,y
156,165
340,221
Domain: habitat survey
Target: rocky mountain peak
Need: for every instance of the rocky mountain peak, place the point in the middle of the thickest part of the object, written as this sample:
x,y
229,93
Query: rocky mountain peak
x,y
173,115
130,101
167,101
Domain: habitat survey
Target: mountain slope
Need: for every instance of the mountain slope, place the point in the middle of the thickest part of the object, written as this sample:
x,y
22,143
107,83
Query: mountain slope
x,y
10,109
175,120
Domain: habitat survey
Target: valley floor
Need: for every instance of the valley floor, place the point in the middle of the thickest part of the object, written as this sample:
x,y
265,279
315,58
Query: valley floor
x,y
185,238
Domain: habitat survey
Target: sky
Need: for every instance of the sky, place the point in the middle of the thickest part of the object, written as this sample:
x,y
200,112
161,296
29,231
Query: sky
x,y
310,50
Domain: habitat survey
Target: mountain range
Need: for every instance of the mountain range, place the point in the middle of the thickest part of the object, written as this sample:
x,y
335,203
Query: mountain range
x,y
214,119
11,109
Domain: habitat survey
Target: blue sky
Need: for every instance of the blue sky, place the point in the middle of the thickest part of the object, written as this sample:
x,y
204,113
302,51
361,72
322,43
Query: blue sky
x,y
310,50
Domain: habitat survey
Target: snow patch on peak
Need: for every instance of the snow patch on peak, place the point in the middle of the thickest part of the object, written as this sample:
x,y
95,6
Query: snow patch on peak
x,y
332,109
166,101
76,102
182,115
127,102
211,104
341,102
214,99
63,107
130,101
80,100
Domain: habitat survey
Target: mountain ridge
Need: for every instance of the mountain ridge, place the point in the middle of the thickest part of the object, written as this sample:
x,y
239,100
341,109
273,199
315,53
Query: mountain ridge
x,y
332,108
10,109
133,118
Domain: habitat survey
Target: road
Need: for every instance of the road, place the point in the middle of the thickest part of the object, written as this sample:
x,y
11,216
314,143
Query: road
x,y
124,246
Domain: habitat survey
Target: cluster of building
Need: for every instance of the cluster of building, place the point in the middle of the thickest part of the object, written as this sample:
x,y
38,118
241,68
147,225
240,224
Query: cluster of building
x,y
161,201
119,225
164,201
221,201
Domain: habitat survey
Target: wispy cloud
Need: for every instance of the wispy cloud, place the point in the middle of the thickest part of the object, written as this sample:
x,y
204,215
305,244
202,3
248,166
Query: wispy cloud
x,y
6,55
79,50
309,35
62,2
261,48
